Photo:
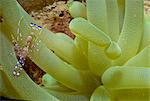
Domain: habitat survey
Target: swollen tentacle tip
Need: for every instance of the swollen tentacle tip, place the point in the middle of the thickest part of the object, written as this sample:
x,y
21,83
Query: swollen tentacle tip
x,y
112,76
113,51
48,80
77,9
100,94
89,32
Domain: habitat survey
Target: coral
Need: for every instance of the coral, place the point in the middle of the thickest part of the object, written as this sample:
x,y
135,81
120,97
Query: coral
x,y
109,58
54,17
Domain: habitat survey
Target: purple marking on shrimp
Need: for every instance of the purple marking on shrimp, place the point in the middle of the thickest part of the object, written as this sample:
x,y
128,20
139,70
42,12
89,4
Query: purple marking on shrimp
x,y
35,26
39,26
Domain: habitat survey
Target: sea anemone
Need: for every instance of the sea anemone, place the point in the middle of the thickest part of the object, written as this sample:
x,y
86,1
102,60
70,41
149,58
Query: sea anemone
x,y
109,58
